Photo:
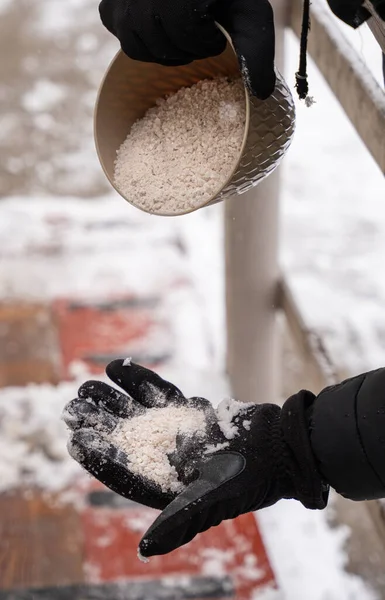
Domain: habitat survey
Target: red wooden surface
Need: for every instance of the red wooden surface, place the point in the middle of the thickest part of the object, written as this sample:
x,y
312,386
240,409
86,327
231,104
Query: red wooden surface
x,y
28,344
105,547
94,334
40,542
234,548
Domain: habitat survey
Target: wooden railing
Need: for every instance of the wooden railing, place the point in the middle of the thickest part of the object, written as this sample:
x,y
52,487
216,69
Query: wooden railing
x,y
256,290
354,86
363,101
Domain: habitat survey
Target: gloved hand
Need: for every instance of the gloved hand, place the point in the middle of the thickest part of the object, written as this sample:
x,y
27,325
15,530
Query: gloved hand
x,y
353,13
245,457
176,32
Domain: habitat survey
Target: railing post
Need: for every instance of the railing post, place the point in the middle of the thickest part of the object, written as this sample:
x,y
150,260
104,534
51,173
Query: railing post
x,y
251,240
251,228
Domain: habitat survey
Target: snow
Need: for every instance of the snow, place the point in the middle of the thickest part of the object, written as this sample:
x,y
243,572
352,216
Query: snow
x,y
79,249
142,558
359,46
363,42
216,561
211,448
4,5
58,17
33,438
227,413
92,572
307,556
333,229
140,523
43,96
269,593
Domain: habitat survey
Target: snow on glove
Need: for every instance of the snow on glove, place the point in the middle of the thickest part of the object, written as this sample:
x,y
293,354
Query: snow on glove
x,y
176,32
199,465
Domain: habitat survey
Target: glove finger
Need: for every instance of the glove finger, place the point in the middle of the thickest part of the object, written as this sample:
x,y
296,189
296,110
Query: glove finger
x,y
349,11
251,27
109,398
162,48
200,506
201,403
143,385
108,14
133,46
158,48
187,457
194,33
84,414
110,465
214,433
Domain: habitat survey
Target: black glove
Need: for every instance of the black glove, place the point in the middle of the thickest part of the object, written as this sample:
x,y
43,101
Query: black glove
x,y
347,435
263,456
176,32
353,13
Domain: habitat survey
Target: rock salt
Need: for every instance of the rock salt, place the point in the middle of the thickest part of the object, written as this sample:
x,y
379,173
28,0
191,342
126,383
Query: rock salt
x,y
183,150
142,558
148,439
211,448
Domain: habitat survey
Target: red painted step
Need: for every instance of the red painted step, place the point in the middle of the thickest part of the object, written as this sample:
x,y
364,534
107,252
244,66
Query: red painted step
x,y
231,556
226,561
97,333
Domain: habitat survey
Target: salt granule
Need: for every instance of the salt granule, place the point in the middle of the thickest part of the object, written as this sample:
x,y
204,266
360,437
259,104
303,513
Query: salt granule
x,y
183,150
127,362
211,448
148,438
142,558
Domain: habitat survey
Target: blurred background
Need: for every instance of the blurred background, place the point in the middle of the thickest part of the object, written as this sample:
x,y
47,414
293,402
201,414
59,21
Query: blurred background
x,y
84,278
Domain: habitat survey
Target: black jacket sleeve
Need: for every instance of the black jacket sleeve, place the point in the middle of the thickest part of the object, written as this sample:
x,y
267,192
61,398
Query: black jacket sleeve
x,y
348,436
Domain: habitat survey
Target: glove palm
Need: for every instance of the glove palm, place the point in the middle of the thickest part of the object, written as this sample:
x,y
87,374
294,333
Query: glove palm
x,y
240,458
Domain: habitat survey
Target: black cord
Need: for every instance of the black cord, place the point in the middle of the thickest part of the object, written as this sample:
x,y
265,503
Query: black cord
x,y
302,85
